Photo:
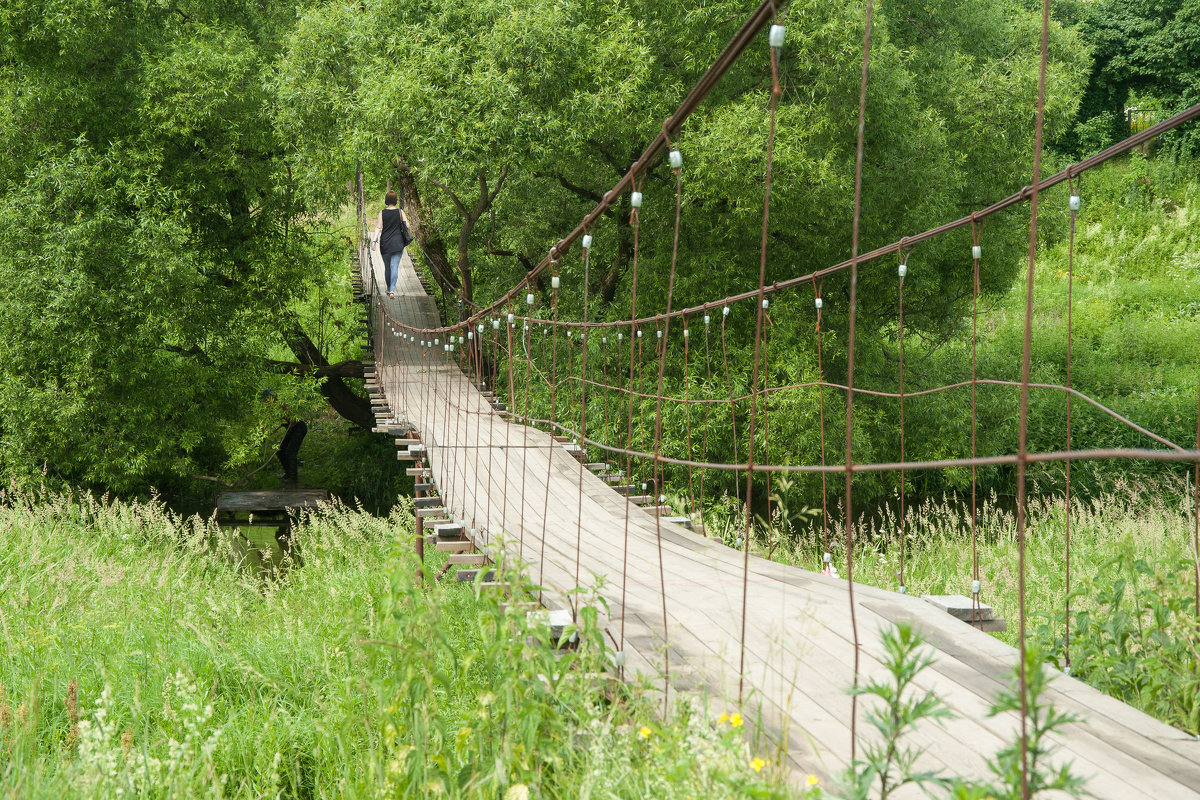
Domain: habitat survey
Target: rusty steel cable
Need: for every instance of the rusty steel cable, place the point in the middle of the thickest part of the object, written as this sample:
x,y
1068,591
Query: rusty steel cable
x,y
1071,190
664,338
1023,415
849,504
553,408
732,408
818,304
687,418
708,385
976,581
634,218
900,311
754,373
1196,511
582,423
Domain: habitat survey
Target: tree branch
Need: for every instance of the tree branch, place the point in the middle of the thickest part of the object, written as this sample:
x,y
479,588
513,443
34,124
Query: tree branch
x,y
450,193
351,368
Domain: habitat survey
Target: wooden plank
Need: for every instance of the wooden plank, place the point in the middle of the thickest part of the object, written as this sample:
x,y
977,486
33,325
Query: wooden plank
x,y
453,546
473,559
470,575
271,500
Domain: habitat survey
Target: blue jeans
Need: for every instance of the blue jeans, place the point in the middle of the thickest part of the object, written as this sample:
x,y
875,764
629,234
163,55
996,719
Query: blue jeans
x,y
391,268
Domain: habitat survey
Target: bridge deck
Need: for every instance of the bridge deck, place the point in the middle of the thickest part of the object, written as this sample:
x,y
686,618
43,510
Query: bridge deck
x,y
799,653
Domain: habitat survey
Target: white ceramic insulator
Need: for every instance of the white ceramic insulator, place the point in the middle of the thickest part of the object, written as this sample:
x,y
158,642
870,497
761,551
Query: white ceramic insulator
x,y
685,333
676,159
587,241
766,302
707,319
976,586
635,199
976,252
818,302
471,335
554,282
529,299
902,270
775,37
1075,202
725,311
496,324
511,317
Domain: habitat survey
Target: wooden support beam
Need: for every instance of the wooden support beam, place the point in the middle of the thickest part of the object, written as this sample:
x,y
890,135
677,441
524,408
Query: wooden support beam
x,y
470,574
428,502
417,472
448,530
468,559
461,546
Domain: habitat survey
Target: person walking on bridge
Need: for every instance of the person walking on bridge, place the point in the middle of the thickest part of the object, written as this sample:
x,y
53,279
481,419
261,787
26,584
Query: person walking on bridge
x,y
391,229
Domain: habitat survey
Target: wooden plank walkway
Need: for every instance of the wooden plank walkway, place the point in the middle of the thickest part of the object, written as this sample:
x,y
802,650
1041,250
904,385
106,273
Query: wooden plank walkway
x,y
521,490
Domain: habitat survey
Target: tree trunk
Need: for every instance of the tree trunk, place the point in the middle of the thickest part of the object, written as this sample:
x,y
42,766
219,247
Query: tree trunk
x,y
611,275
433,246
345,402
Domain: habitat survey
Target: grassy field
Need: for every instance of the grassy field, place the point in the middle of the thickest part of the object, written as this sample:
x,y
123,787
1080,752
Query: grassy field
x,y
139,661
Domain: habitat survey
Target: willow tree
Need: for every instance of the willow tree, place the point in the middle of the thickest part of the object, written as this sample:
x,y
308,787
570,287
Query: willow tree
x,y
151,263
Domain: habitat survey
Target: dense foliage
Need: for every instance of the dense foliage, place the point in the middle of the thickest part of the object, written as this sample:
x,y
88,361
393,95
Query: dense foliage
x,y
150,257
1146,55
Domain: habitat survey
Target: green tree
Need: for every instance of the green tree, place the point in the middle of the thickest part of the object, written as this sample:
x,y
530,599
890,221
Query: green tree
x,y
150,260
1144,49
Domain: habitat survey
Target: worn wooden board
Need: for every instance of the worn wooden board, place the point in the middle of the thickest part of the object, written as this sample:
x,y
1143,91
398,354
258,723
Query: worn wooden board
x,y
271,500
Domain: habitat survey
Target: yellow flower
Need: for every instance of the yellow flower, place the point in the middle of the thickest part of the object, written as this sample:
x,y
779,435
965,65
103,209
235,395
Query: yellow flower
x,y
736,720
812,780
757,764
723,718
645,732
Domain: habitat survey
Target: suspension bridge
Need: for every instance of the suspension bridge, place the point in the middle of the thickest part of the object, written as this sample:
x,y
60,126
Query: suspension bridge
x,y
777,643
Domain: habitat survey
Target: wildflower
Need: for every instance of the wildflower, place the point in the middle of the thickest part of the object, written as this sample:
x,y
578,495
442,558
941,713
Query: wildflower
x,y
811,781
723,718
735,720
757,764
644,732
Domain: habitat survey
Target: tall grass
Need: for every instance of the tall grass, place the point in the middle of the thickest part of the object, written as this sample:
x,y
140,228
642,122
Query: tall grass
x,y
141,661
